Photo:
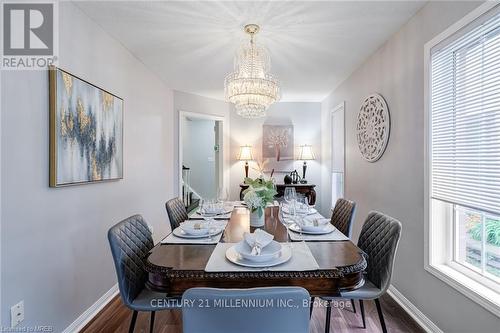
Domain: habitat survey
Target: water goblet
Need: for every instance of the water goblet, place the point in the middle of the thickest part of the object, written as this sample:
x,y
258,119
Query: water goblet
x,y
290,194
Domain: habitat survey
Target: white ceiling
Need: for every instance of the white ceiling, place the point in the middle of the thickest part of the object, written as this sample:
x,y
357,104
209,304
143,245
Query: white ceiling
x,y
314,46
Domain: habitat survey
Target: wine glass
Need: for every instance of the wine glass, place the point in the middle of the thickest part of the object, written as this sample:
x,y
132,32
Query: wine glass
x,y
303,205
302,211
206,212
222,198
283,219
274,188
290,194
222,194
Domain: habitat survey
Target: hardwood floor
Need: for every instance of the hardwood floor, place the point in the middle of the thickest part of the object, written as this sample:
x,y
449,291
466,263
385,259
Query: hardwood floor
x,y
115,318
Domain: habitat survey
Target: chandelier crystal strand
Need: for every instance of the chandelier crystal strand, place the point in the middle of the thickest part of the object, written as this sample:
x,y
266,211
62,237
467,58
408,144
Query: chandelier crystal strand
x,y
251,88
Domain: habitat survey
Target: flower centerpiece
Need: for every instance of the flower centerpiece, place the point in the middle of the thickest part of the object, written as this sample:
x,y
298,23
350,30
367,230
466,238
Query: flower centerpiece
x,y
258,194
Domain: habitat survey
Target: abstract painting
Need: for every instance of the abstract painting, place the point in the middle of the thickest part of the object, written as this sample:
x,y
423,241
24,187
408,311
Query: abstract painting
x,y
86,131
277,142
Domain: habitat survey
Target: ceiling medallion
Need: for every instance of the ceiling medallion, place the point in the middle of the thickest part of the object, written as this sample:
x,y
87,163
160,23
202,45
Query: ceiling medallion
x,y
251,88
373,127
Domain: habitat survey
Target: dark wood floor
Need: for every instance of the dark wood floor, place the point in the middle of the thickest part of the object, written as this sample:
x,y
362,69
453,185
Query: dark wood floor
x,y
115,317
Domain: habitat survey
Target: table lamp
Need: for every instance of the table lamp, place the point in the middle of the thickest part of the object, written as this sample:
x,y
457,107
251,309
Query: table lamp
x,y
245,155
306,154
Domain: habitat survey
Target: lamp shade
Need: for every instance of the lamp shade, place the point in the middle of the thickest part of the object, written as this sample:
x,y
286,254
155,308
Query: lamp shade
x,y
306,153
245,153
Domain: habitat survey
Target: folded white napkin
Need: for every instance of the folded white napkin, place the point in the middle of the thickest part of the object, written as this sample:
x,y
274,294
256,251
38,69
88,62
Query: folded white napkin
x,y
258,240
314,221
189,225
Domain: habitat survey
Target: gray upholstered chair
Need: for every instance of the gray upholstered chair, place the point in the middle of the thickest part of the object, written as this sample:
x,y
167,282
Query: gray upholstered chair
x,y
176,211
379,239
130,241
342,219
343,216
210,310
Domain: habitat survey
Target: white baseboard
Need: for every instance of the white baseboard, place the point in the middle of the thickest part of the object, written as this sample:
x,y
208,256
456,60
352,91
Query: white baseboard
x,y
91,312
412,310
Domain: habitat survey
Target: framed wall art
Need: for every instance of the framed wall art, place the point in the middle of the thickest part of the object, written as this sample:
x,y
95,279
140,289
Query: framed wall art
x,y
277,142
86,131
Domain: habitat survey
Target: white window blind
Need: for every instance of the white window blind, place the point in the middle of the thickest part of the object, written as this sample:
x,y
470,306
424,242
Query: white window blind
x,y
465,117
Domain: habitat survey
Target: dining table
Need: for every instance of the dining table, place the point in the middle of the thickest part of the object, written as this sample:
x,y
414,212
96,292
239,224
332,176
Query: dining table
x,y
174,268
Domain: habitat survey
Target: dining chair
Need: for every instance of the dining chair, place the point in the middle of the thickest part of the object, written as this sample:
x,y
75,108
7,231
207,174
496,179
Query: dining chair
x,y
379,239
343,216
176,211
342,219
263,310
130,241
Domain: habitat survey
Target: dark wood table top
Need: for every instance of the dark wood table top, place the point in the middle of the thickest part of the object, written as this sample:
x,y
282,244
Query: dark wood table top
x,y
174,268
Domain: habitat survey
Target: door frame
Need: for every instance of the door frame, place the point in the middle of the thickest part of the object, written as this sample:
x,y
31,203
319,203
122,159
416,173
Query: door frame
x,y
223,174
339,108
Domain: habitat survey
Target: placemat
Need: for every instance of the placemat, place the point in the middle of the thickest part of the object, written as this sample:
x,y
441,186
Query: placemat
x,y
302,260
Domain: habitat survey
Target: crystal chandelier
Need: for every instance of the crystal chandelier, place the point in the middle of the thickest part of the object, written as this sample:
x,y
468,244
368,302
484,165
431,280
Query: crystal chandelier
x,y
251,88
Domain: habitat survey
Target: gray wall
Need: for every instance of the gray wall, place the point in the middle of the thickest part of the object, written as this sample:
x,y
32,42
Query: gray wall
x,y
198,141
395,184
306,119
55,253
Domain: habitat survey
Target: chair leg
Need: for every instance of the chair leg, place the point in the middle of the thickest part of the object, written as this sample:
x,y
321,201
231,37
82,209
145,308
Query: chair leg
x,y
362,309
132,322
353,306
328,316
152,322
380,315
311,307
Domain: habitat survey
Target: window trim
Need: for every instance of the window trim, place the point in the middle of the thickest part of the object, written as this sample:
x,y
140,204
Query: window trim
x,y
479,293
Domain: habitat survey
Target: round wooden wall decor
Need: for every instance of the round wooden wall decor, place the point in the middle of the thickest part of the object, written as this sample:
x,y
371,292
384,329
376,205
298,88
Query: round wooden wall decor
x,y
373,127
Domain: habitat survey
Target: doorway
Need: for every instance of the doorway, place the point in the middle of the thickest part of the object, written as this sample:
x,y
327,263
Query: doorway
x,y
200,157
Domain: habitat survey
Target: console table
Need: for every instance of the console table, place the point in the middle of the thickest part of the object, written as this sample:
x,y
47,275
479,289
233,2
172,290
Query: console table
x,y
306,189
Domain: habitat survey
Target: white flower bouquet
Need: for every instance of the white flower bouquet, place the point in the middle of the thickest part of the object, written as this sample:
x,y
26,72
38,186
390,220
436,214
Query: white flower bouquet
x,y
258,194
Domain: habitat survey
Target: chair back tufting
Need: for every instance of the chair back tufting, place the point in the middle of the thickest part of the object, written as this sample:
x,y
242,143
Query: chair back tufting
x,y
343,216
379,239
130,241
176,212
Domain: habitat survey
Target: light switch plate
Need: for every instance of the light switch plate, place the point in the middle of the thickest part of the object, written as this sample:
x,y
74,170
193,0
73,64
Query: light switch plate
x,y
17,314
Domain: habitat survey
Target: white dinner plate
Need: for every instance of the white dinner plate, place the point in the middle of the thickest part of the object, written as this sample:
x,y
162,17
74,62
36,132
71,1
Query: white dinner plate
x,y
233,256
328,228
182,234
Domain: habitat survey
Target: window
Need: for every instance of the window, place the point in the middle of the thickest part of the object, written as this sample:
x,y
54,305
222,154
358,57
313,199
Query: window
x,y
464,156
477,242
